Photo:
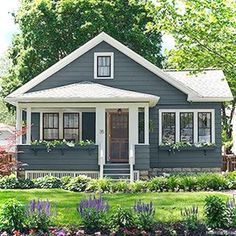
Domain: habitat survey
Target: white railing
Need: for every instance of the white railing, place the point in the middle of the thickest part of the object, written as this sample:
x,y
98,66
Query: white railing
x,y
34,174
101,160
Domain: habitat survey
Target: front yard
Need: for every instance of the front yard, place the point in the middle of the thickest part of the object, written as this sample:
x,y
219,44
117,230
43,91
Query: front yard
x,y
167,204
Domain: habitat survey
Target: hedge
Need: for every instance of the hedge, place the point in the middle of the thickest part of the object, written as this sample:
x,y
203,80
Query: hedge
x,y
176,183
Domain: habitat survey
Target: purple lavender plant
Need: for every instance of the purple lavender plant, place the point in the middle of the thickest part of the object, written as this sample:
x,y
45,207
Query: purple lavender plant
x,y
144,208
39,207
145,215
93,212
97,204
39,214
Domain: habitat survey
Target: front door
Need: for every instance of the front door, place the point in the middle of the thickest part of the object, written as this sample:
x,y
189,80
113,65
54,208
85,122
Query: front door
x,y
118,136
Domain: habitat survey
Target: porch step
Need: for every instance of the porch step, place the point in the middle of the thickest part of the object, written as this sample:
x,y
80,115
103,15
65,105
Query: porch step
x,y
117,171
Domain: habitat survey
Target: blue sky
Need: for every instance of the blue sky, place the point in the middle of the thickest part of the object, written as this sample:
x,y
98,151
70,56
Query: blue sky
x,y
8,28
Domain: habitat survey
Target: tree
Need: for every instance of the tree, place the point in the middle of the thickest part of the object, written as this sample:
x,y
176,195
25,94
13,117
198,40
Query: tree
x,y
51,29
204,32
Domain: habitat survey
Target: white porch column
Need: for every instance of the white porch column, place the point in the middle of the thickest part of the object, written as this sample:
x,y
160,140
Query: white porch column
x,y
28,117
133,137
146,124
100,136
18,123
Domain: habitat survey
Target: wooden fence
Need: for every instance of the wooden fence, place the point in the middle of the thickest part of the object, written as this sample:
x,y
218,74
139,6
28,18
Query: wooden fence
x,y
229,162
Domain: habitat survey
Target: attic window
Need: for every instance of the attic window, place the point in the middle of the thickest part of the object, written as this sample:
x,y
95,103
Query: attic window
x,y
103,65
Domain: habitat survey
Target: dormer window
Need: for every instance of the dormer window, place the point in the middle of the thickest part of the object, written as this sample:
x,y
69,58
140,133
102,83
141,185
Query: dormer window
x,y
103,65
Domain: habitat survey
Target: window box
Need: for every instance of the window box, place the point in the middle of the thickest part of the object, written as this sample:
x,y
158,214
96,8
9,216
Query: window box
x,y
63,148
186,148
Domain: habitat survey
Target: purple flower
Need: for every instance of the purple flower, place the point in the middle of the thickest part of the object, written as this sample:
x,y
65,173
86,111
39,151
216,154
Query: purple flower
x,y
92,203
144,208
39,207
60,232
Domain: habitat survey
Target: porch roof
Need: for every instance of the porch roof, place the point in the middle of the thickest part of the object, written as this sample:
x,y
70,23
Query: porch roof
x,y
85,92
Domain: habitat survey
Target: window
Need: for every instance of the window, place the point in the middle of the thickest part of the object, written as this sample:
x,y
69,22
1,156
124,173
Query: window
x,y
204,127
186,127
50,126
168,127
71,126
103,65
141,126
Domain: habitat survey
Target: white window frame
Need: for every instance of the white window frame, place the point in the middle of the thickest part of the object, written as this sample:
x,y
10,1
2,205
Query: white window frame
x,y
100,54
195,123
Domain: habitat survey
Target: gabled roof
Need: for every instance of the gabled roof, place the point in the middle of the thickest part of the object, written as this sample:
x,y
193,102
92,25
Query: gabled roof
x,y
193,94
210,84
87,92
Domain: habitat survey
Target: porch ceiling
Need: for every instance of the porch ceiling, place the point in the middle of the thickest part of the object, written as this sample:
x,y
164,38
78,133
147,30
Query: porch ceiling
x,y
85,92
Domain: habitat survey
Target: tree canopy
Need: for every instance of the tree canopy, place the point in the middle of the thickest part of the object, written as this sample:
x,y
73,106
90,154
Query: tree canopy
x,y
51,29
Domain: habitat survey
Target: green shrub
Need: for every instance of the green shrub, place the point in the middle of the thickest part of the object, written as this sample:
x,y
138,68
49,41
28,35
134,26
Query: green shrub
x,y
39,215
231,179
188,183
190,218
78,184
210,181
138,186
173,183
9,182
65,180
145,215
121,218
120,186
100,185
47,182
157,184
216,212
93,212
12,216
25,183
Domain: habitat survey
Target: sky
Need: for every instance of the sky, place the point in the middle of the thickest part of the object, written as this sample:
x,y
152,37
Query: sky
x,y
8,27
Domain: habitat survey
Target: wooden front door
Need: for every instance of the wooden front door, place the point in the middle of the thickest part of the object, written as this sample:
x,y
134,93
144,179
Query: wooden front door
x,y
118,137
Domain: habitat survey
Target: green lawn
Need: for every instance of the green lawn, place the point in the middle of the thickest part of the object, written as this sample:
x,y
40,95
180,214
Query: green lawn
x,y
167,205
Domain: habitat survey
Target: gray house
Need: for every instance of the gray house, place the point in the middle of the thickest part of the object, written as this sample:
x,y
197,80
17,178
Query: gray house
x,y
142,120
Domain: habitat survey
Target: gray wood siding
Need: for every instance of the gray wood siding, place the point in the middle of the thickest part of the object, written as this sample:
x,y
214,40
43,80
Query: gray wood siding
x,y
142,157
185,158
132,76
35,126
72,160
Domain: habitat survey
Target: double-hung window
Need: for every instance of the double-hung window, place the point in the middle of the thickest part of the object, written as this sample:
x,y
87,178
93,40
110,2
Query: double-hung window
x,y
168,127
204,127
103,65
50,126
186,127
71,126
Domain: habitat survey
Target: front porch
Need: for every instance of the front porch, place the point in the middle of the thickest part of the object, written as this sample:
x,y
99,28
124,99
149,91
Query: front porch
x,y
120,131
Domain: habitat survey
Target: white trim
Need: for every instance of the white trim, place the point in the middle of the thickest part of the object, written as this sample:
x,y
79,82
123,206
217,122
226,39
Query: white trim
x,y
98,54
41,126
28,119
18,123
146,126
195,123
89,45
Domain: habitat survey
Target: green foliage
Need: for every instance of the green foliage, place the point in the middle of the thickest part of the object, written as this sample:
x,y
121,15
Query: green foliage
x,y
12,216
122,218
47,182
67,24
157,184
138,186
6,116
100,185
190,218
204,38
65,180
216,212
9,182
120,186
78,184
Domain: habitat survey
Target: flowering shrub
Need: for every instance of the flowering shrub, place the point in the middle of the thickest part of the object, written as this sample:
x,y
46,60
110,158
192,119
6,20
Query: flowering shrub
x,y
93,212
145,215
12,216
39,214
